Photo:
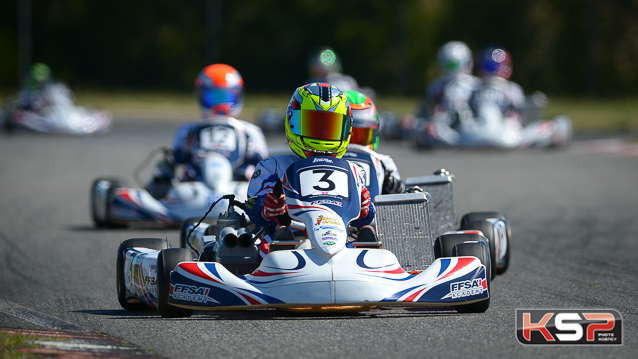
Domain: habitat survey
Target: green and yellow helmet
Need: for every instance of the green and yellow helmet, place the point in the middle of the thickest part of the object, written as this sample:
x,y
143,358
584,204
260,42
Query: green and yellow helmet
x,y
318,121
365,120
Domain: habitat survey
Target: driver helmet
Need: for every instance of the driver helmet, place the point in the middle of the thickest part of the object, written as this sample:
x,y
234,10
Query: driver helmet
x,y
40,73
365,120
494,61
322,62
454,57
220,90
318,121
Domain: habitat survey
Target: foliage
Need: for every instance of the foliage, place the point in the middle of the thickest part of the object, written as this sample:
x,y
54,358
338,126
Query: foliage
x,y
561,47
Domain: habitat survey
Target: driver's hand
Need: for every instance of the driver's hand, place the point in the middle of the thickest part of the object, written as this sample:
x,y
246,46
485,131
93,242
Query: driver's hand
x,y
273,207
365,202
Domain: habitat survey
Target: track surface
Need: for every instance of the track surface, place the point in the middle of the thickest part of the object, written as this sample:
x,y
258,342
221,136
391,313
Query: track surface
x,y
573,216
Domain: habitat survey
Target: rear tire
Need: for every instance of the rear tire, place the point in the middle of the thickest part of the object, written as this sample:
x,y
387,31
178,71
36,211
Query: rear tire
x,y
167,260
480,251
470,221
151,243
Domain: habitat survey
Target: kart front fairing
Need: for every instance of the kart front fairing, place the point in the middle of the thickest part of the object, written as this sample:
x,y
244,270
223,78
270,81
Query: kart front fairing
x,y
310,278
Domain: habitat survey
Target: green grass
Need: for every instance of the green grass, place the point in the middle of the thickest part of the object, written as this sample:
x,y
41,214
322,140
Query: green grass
x,y
9,342
610,115
618,115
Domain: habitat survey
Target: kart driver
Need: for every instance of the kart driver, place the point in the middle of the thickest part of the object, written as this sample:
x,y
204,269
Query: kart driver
x,y
318,123
363,145
32,96
220,93
495,69
450,93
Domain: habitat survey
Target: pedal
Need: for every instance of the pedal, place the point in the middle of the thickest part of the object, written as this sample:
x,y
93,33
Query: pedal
x,y
403,226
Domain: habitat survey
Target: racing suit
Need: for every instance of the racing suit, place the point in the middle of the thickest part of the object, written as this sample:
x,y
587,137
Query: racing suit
x,y
448,94
507,95
263,181
187,141
382,174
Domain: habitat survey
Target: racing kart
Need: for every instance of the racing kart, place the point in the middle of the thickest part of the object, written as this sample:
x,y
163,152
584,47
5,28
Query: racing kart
x,y
56,113
217,266
490,128
167,200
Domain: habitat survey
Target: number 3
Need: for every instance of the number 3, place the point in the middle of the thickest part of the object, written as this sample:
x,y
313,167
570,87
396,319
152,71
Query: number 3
x,y
325,178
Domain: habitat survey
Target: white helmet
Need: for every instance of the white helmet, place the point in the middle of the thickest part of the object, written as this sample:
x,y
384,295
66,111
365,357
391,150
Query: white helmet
x,y
454,57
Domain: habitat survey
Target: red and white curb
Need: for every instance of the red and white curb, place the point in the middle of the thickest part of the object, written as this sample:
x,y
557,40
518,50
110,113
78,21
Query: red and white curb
x,y
61,339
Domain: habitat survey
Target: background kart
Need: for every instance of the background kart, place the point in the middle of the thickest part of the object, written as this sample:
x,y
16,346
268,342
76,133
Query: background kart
x,y
491,129
166,202
56,114
320,272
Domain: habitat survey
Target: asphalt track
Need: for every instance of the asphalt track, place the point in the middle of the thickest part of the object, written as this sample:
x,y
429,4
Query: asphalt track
x,y
573,213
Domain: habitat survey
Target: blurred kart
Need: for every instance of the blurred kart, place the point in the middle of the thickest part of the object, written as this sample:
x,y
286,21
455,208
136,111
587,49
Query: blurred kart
x,y
55,113
166,201
490,128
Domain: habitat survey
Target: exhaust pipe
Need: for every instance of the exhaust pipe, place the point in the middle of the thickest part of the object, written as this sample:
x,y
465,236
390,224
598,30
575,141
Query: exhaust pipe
x,y
245,237
229,237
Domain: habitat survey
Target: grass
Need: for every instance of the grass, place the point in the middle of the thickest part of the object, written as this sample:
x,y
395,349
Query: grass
x,y
9,342
608,115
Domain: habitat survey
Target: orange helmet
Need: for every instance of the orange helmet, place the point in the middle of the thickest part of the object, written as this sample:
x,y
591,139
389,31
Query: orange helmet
x,y
220,90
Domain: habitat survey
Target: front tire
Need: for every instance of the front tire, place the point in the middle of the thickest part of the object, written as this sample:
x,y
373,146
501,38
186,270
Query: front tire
x,y
102,192
127,302
480,251
167,260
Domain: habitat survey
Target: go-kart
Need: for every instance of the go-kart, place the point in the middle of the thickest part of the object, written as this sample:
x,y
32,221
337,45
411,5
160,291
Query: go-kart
x,y
490,128
218,266
167,200
56,113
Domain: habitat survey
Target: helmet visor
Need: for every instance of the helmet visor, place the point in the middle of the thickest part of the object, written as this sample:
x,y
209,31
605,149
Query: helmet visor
x,y
363,135
215,96
322,125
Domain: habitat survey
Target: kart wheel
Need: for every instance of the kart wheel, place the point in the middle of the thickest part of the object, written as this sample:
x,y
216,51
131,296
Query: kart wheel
x,y
167,260
122,296
471,221
480,251
102,191
444,246
474,216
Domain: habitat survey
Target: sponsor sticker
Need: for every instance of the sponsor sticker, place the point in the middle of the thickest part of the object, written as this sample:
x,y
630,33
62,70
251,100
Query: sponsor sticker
x,y
334,228
466,288
190,293
327,220
327,201
568,327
